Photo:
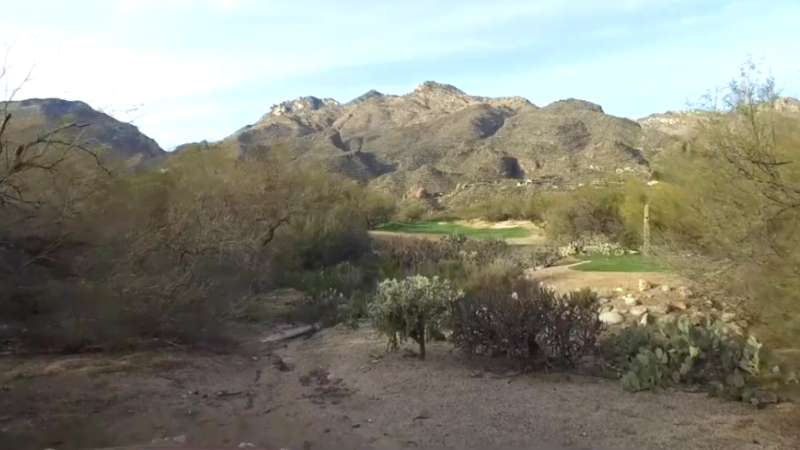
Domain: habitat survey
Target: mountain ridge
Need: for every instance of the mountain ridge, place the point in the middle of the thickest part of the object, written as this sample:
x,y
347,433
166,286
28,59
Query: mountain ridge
x,y
435,139
101,131
453,137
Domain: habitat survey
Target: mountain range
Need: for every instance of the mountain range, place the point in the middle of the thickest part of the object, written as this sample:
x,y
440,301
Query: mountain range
x,y
432,141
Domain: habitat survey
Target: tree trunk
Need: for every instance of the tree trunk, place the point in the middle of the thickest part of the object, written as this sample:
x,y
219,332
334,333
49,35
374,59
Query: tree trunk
x,y
421,336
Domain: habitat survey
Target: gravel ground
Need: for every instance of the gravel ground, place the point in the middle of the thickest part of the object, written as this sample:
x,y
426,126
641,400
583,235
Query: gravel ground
x,y
338,389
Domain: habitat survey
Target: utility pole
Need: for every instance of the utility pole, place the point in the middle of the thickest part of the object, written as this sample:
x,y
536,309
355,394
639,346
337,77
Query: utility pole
x,y
646,230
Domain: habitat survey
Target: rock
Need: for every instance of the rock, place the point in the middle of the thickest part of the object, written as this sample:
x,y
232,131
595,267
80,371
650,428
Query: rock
x,y
419,193
630,300
246,445
282,365
665,288
603,300
678,306
644,285
684,292
637,311
611,318
424,414
734,329
619,289
728,317
666,319
645,320
660,309
180,439
698,318
762,398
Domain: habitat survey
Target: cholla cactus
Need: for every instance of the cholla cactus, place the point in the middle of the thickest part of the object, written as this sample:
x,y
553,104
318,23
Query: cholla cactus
x,y
415,307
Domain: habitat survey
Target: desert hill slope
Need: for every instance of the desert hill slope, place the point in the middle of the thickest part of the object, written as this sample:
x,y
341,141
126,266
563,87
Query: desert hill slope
x,y
120,140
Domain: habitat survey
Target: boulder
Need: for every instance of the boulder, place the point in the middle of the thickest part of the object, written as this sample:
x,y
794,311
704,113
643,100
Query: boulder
x,y
667,319
630,300
611,318
698,318
645,320
684,292
644,285
637,311
419,193
678,306
660,309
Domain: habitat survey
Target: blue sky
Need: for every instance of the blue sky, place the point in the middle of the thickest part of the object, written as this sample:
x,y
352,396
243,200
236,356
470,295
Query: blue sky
x,y
187,70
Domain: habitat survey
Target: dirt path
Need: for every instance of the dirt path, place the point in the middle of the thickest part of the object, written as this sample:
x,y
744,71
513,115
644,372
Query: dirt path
x,y
339,389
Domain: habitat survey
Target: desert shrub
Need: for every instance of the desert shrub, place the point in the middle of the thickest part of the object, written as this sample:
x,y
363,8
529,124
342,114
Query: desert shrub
x,y
681,353
325,307
453,256
416,307
339,293
502,204
498,273
522,320
571,325
587,211
347,278
378,208
110,260
410,210
739,195
499,319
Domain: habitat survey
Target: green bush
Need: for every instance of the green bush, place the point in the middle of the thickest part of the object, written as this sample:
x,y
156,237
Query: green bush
x,y
570,216
410,210
416,307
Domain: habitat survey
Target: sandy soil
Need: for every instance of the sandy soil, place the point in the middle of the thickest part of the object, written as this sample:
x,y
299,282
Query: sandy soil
x,y
564,279
339,389
536,236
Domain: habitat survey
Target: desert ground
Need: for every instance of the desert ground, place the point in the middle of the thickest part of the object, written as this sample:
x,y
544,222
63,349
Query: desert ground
x,y
339,388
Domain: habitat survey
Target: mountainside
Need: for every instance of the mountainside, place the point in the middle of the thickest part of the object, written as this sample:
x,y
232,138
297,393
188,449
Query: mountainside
x,y
29,118
437,138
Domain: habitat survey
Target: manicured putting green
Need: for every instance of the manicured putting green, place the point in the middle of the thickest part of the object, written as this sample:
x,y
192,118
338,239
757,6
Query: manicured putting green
x,y
432,227
624,263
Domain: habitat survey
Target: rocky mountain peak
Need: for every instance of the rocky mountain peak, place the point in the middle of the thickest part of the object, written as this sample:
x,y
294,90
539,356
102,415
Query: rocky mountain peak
x,y
372,93
432,87
574,104
787,104
301,105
